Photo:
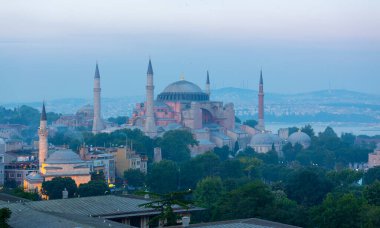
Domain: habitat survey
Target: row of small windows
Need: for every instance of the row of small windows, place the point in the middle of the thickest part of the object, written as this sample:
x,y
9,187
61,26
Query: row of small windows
x,y
12,175
183,96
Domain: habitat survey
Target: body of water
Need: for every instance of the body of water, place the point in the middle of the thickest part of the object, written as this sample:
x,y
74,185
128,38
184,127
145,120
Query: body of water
x,y
339,128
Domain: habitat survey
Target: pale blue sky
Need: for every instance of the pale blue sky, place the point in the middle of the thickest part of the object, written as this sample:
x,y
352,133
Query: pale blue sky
x,y
48,48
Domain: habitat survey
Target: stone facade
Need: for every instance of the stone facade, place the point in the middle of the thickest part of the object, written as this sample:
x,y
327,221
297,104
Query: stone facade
x,y
374,158
183,105
127,158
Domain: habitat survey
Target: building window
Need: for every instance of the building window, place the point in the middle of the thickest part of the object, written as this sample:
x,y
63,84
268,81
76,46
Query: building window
x,y
19,175
11,175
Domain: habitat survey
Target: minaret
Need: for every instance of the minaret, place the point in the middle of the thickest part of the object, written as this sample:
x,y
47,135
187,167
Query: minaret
x,y
43,138
97,125
261,125
150,124
208,91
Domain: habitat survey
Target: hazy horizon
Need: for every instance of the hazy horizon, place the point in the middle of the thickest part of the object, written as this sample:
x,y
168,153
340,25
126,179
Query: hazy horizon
x,y
90,97
48,49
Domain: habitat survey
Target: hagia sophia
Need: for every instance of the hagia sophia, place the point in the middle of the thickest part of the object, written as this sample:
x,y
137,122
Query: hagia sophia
x,y
184,105
181,105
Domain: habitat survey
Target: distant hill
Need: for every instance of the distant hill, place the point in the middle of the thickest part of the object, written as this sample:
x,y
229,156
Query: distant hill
x,y
332,105
244,96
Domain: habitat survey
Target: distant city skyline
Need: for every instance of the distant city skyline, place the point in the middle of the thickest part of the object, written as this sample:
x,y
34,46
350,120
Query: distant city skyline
x,y
48,50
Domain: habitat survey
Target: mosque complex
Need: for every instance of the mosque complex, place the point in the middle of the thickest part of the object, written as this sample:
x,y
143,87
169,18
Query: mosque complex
x,y
184,105
181,105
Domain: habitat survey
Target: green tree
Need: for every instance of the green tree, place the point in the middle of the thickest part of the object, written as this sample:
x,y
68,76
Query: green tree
x,y
293,130
208,192
371,216
141,143
232,168
251,200
291,152
339,211
223,152
307,186
372,175
163,177
247,152
5,214
197,168
175,145
93,188
19,192
328,140
53,189
308,130
287,211
251,123
165,203
348,139
134,177
344,178
251,166
236,148
268,158
372,193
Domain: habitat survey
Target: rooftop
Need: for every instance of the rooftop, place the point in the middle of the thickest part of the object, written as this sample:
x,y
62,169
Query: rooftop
x,y
243,223
109,206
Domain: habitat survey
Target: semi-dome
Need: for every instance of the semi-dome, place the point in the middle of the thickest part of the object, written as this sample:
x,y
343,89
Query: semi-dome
x,y
63,157
266,139
300,138
34,176
87,110
183,90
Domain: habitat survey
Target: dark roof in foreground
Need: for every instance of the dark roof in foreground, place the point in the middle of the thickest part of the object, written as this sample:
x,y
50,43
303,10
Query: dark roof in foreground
x,y
10,198
243,223
24,216
79,212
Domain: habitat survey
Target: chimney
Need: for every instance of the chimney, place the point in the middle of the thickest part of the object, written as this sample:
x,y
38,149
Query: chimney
x,y
65,194
83,152
185,221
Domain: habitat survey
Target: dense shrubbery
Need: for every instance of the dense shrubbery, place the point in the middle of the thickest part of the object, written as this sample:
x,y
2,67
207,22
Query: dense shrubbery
x,y
303,188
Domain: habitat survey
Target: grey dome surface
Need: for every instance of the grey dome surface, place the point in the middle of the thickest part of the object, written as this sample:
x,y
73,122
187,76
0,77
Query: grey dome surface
x,y
63,157
183,91
300,138
182,86
86,108
265,139
34,176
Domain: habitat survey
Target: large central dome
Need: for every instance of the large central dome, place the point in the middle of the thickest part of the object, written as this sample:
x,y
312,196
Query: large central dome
x,y
183,91
63,157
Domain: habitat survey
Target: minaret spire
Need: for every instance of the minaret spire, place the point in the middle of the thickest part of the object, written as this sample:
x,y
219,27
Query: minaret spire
x,y
150,68
208,90
97,74
261,124
150,123
43,112
97,124
43,138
